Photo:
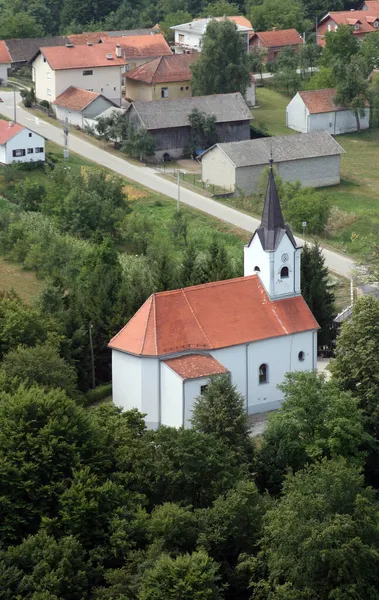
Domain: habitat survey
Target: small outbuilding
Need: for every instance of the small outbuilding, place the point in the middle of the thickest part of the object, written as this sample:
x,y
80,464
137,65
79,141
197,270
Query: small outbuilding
x,y
313,159
168,122
316,110
5,63
20,144
76,106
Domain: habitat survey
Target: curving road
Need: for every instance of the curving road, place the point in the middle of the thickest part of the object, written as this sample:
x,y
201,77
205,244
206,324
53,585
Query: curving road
x,y
148,177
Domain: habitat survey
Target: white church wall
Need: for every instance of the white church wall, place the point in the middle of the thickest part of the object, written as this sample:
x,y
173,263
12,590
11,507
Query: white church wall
x,y
192,389
150,391
171,397
234,359
255,256
290,284
126,380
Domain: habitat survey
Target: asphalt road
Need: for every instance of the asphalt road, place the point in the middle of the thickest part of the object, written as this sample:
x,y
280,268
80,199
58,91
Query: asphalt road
x,y
148,177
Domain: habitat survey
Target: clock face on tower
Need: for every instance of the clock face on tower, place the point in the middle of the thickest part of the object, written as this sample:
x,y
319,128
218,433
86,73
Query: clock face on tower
x,y
285,257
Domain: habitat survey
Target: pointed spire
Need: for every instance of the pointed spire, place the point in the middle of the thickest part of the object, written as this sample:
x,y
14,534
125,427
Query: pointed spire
x,y
272,217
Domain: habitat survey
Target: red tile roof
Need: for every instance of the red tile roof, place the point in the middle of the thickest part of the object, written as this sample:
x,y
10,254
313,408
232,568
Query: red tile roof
x,y
75,98
141,46
164,69
366,19
8,130
238,20
210,316
80,39
193,366
280,37
321,101
81,57
5,57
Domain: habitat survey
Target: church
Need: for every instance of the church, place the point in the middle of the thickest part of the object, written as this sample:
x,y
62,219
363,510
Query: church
x,y
256,328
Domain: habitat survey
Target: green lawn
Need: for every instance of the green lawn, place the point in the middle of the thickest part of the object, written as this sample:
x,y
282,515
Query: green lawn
x,y
24,283
272,111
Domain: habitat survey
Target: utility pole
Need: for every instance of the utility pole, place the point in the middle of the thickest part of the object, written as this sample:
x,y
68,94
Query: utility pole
x,y
92,356
178,203
65,149
14,104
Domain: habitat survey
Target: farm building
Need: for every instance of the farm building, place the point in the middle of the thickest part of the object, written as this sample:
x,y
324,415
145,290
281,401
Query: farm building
x,y
313,159
76,106
316,110
168,122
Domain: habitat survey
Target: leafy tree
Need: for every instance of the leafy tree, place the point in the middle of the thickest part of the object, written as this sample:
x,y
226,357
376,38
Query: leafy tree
x,y
43,436
219,8
309,55
44,568
287,79
19,25
316,290
323,78
352,86
172,19
322,537
188,266
203,130
221,410
340,46
189,577
219,266
40,365
315,420
373,97
257,58
29,194
223,66
139,144
310,206
174,528
369,50
269,14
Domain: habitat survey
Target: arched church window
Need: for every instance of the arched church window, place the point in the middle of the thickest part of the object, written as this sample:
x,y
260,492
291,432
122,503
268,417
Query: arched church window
x,y
256,269
263,373
284,272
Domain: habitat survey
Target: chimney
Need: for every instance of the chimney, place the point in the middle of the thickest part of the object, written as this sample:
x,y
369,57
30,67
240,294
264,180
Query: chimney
x,y
352,9
10,124
89,44
118,51
274,28
69,45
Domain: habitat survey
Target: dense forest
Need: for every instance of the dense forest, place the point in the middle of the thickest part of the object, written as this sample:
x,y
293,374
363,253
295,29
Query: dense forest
x,y
52,17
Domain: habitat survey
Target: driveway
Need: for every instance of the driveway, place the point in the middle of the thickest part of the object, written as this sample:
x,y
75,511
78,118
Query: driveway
x,y
150,178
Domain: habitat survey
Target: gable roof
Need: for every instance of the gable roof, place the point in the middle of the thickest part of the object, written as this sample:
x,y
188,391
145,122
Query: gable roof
x,y
164,69
199,26
174,113
321,101
365,18
5,57
79,39
140,46
128,32
194,366
210,316
8,130
78,99
279,37
257,152
25,49
79,57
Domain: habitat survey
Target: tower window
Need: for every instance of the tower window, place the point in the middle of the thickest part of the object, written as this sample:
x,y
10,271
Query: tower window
x,y
284,272
263,373
256,269
301,356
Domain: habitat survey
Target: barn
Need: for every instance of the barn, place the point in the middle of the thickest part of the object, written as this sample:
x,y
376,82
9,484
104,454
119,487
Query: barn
x,y
168,122
311,158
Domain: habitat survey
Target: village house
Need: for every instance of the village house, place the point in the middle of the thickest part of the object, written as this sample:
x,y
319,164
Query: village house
x,y
78,107
315,110
137,50
362,21
168,122
24,50
313,159
95,68
5,63
275,41
20,144
162,78
256,328
189,36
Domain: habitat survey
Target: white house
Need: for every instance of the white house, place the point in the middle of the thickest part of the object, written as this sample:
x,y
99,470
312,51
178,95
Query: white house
x,y
20,144
256,328
5,63
189,36
95,68
314,159
316,110
79,107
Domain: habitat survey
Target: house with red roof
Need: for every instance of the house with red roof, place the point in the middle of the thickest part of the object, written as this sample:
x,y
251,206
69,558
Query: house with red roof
x,y
79,107
275,41
5,63
254,328
362,22
164,77
95,68
316,110
138,49
20,144
189,36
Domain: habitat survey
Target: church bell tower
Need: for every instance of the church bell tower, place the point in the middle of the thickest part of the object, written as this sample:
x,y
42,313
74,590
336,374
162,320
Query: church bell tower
x,y
272,252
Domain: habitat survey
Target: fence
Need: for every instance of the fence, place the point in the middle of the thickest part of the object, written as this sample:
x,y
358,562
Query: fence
x,y
194,179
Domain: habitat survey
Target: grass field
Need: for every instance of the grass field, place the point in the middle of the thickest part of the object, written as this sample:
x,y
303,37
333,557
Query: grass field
x,y
24,283
271,111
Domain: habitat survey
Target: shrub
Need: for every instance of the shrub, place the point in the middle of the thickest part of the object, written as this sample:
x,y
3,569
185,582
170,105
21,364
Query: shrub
x,y
44,104
97,394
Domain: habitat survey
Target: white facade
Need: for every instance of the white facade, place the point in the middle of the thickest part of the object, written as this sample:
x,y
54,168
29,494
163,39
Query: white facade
x,y
85,116
189,36
4,67
25,146
250,94
49,84
337,122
